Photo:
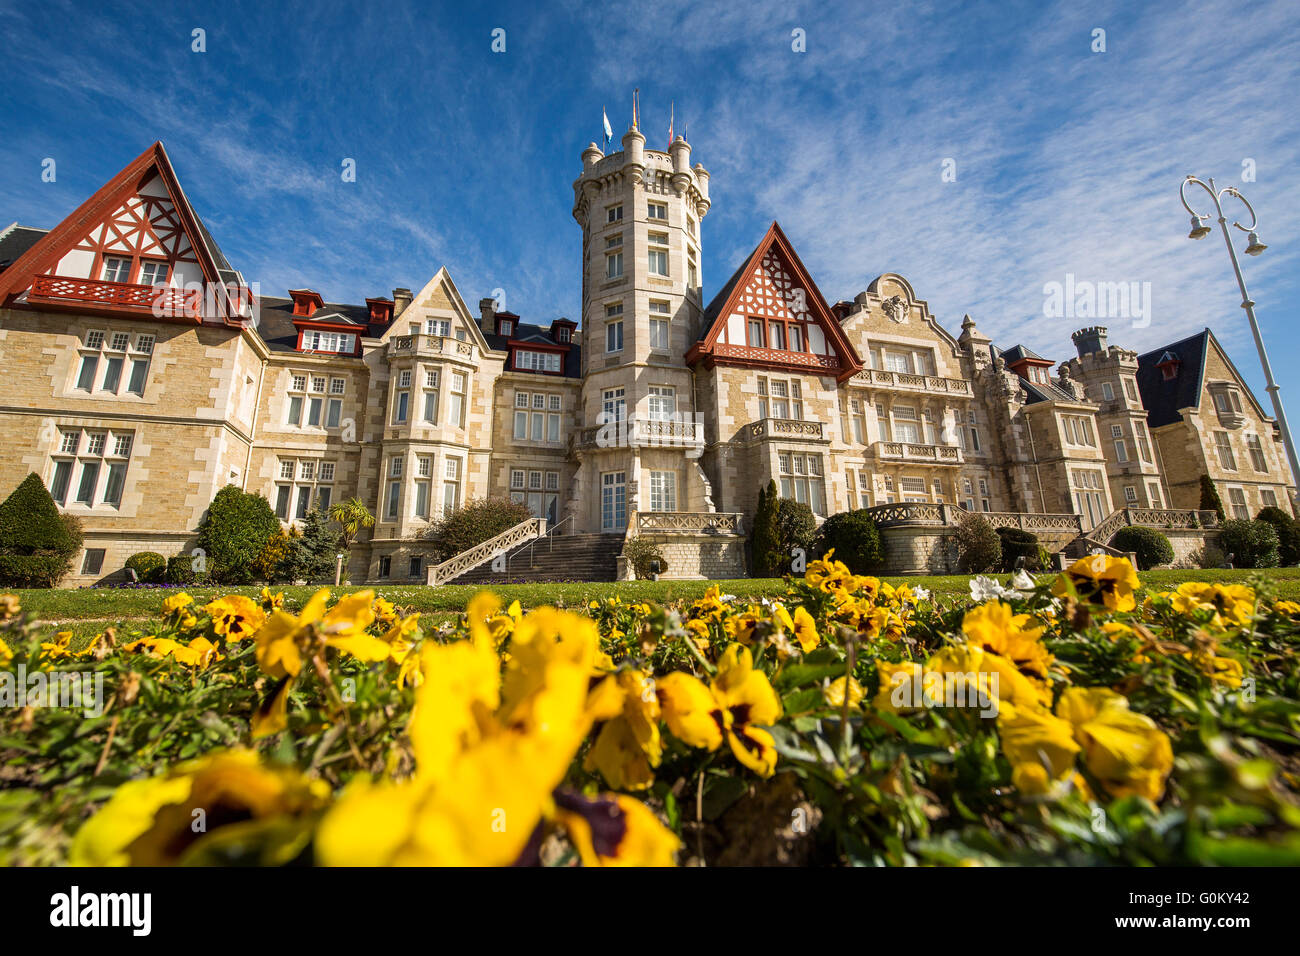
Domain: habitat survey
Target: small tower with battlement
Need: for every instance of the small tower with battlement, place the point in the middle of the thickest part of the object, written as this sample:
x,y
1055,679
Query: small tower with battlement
x,y
640,211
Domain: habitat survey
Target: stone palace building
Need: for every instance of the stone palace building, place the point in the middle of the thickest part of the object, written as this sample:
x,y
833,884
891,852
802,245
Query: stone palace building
x,y
143,374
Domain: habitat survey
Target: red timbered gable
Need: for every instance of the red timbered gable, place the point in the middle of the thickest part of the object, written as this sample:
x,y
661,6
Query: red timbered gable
x,y
135,247
771,315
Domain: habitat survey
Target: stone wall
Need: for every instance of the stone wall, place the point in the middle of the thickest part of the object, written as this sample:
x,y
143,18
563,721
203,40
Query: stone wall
x,y
695,556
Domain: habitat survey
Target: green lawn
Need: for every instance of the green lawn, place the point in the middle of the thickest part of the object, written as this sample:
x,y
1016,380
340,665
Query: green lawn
x,y
87,611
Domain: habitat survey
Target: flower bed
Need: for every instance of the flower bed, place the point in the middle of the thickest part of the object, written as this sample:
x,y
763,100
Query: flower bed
x,y
842,721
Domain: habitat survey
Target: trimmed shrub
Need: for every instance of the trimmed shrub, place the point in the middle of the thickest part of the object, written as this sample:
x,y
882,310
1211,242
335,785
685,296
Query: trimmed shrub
x,y
272,564
639,552
854,538
1288,534
1151,546
233,532
1252,544
979,550
796,527
765,558
180,570
37,543
1210,500
1017,543
149,566
473,523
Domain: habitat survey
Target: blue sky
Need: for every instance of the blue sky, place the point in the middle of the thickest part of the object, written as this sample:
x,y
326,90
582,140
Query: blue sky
x,y
1067,161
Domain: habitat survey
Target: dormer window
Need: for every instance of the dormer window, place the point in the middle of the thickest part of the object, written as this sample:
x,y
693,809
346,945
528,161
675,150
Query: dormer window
x,y
562,335
1168,366
507,327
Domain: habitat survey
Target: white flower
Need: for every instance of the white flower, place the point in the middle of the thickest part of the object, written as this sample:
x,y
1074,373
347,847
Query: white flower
x,y
921,594
984,588
1023,581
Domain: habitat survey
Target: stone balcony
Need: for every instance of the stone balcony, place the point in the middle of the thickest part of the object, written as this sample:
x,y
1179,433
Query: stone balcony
x,y
785,429
908,382
909,452
636,432
437,346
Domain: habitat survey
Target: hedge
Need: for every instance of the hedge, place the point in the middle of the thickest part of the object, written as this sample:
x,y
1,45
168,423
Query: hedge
x,y
1018,543
855,538
233,532
149,566
1252,544
979,549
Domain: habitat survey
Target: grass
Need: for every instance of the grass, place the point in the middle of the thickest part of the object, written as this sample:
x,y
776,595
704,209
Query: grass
x,y
88,611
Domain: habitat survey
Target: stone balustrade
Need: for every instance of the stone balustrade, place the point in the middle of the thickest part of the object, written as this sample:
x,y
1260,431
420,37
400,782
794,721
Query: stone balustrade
x,y
766,429
910,451
909,382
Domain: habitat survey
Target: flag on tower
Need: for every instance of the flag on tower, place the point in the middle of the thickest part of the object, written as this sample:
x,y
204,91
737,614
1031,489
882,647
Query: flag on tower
x,y
635,124
609,133
670,124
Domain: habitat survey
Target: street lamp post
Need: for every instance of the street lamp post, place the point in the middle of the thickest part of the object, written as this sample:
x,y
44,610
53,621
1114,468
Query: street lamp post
x,y
1253,248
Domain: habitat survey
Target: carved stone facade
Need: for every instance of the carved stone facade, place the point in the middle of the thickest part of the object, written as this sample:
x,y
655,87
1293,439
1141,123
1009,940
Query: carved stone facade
x,y
656,414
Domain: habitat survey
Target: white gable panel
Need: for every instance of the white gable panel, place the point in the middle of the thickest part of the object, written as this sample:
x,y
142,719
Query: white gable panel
x,y
817,340
76,264
735,332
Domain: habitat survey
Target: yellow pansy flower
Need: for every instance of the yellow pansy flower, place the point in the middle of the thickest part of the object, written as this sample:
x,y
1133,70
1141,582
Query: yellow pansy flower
x,y
199,653
1100,579
235,617
628,746
805,630
614,830
1040,747
242,802
1124,750
272,601
833,693
59,648
734,707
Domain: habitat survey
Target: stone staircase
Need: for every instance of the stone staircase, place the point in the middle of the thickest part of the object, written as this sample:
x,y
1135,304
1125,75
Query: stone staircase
x,y
569,557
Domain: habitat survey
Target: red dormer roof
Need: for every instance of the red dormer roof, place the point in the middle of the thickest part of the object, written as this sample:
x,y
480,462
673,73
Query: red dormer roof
x,y
381,311
305,301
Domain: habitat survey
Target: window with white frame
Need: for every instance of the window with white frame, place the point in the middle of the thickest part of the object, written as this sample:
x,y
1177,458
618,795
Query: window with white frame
x,y
423,483
432,385
663,491
614,327
659,328
1268,497
451,485
117,270
614,265
114,363
1237,501
657,253
537,361
662,402
657,210
780,398
1130,389
90,466
456,401
438,327
1121,449
343,343
912,488
906,426
1107,392
402,397
1153,490
1223,446
1130,494
614,213
858,421
801,479
613,404
972,428
537,416
1256,450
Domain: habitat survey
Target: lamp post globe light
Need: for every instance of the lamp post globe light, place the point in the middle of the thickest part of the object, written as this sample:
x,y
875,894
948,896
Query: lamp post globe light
x,y
1253,248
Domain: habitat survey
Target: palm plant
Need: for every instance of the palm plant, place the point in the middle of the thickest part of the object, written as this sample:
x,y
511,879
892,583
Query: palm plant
x,y
351,515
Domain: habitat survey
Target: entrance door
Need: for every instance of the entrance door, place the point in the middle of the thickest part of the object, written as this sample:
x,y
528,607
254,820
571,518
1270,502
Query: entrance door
x,y
613,501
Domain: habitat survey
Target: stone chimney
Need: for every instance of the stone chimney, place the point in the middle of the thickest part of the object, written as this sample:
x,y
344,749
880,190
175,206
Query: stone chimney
x,y
487,310
1089,340
401,299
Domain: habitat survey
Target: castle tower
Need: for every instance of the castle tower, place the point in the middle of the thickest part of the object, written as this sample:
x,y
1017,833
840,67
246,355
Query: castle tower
x,y
637,441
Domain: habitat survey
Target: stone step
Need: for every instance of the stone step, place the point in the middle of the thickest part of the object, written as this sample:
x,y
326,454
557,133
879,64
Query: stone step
x,y
576,557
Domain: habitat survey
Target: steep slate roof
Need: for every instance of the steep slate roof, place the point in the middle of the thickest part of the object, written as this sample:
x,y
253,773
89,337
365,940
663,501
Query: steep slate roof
x,y
1163,398
1036,392
541,334
277,330
720,300
15,240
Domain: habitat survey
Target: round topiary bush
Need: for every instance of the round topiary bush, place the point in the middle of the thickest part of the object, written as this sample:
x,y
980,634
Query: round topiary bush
x,y
233,532
1151,547
1018,543
1252,544
854,538
978,547
180,570
37,543
149,566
